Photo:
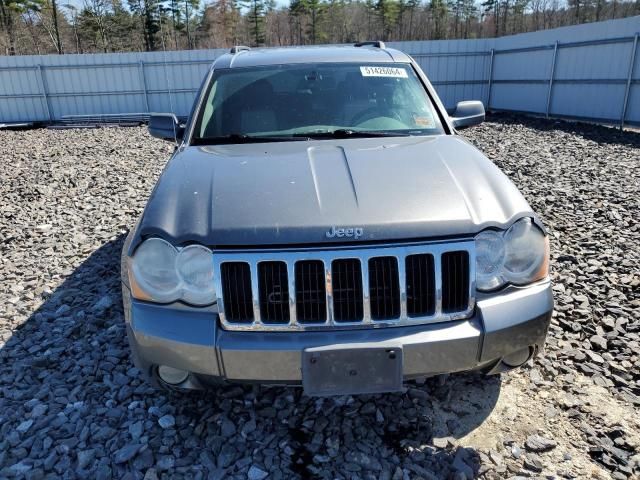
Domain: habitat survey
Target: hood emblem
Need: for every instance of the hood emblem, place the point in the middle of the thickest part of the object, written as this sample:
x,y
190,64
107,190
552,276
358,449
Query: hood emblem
x,y
350,232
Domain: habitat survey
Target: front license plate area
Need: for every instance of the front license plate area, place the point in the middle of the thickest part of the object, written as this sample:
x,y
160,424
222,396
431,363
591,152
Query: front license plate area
x,y
351,371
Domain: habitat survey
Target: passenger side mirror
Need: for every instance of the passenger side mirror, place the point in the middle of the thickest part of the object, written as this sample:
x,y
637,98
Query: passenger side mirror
x,y
468,114
165,126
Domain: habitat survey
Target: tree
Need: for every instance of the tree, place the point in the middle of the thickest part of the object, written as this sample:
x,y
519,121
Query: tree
x,y
6,16
95,19
15,8
387,11
315,10
439,13
147,12
190,6
48,26
255,18
56,28
491,8
73,12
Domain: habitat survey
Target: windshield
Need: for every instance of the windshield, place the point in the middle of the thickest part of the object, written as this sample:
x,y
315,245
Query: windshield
x,y
316,101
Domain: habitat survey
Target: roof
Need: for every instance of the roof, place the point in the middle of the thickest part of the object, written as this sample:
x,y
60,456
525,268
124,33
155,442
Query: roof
x,y
278,56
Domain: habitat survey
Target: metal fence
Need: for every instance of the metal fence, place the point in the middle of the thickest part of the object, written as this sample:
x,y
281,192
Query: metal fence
x,y
589,72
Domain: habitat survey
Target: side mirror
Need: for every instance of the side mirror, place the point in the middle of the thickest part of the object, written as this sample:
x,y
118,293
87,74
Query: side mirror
x,y
468,114
165,126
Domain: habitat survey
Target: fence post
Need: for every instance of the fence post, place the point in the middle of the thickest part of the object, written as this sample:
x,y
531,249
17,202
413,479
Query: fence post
x,y
45,96
553,72
627,90
490,80
143,82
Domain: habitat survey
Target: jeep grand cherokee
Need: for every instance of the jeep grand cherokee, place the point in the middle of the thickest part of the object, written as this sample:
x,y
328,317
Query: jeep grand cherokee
x,y
322,224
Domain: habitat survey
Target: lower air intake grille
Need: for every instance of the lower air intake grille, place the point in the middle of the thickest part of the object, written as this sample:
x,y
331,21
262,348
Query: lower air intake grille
x,y
346,277
384,288
236,285
274,292
455,281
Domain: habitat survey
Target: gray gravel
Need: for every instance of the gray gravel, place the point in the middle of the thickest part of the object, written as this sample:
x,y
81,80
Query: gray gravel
x,y
73,406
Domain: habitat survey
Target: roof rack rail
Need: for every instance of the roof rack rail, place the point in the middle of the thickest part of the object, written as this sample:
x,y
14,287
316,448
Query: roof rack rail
x,y
377,44
239,48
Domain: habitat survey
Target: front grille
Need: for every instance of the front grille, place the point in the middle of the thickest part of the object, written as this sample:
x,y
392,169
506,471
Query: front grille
x,y
311,295
346,279
455,278
389,285
421,285
384,288
237,294
274,292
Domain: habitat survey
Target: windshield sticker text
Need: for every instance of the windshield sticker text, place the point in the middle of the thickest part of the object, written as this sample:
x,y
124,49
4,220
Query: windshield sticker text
x,y
392,72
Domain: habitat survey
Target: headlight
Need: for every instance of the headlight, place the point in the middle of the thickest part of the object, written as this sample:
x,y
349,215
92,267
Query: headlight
x,y
489,260
518,256
195,268
161,273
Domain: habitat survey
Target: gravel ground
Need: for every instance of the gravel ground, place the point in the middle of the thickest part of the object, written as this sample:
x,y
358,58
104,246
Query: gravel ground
x,y
73,406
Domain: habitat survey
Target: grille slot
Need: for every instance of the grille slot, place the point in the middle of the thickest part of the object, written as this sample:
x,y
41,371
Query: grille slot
x,y
384,288
346,278
311,295
274,292
236,291
421,285
455,281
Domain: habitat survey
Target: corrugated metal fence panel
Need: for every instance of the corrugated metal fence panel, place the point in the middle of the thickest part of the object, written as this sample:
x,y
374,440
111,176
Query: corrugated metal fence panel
x,y
458,69
521,80
98,84
633,109
622,27
589,80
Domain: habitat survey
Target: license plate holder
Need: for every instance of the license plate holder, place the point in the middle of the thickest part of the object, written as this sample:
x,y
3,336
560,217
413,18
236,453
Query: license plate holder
x,y
351,370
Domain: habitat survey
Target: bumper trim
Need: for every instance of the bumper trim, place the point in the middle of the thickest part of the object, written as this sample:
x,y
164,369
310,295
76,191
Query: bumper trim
x,y
428,349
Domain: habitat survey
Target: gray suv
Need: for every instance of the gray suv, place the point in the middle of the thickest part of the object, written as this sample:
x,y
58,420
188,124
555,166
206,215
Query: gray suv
x,y
321,224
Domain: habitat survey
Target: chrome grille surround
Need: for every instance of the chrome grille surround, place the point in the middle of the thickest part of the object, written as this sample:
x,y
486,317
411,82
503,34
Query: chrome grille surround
x,y
327,255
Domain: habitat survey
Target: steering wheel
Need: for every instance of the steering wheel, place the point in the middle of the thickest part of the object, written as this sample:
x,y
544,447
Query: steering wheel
x,y
372,112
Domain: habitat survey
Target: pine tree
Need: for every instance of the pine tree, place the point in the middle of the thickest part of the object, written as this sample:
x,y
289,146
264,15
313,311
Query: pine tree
x,y
9,9
147,11
255,17
438,9
387,11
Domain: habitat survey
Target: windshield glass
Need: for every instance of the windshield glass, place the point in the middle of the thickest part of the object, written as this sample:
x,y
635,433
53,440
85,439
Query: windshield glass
x,y
281,101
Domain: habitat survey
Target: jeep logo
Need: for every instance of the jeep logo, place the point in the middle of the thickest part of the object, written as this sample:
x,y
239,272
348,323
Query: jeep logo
x,y
351,232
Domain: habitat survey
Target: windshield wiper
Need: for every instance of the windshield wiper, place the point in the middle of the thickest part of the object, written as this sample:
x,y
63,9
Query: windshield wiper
x,y
347,133
244,138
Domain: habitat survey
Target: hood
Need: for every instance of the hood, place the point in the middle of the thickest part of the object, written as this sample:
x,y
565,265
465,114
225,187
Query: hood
x,y
295,192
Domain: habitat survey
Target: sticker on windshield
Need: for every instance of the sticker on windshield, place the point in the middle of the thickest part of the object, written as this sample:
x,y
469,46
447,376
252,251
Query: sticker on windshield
x,y
392,72
423,121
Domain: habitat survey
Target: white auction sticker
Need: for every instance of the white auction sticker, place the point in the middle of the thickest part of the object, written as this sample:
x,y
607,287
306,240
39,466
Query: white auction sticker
x,y
393,72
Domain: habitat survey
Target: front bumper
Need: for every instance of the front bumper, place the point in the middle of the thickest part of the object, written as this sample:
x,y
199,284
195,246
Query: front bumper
x,y
191,339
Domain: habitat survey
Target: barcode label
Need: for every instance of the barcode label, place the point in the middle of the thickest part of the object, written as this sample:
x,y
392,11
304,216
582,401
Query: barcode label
x,y
393,72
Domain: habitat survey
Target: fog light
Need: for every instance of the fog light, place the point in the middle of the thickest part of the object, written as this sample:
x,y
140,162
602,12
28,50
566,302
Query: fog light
x,y
171,375
518,357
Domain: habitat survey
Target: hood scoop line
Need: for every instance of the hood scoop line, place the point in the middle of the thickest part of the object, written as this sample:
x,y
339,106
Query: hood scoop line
x,y
329,159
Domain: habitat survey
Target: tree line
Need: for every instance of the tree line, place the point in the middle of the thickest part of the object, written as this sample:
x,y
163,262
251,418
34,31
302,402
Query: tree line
x,y
55,26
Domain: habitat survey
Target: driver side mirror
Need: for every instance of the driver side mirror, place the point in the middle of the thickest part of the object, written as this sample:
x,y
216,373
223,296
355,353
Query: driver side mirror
x,y
165,126
468,114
